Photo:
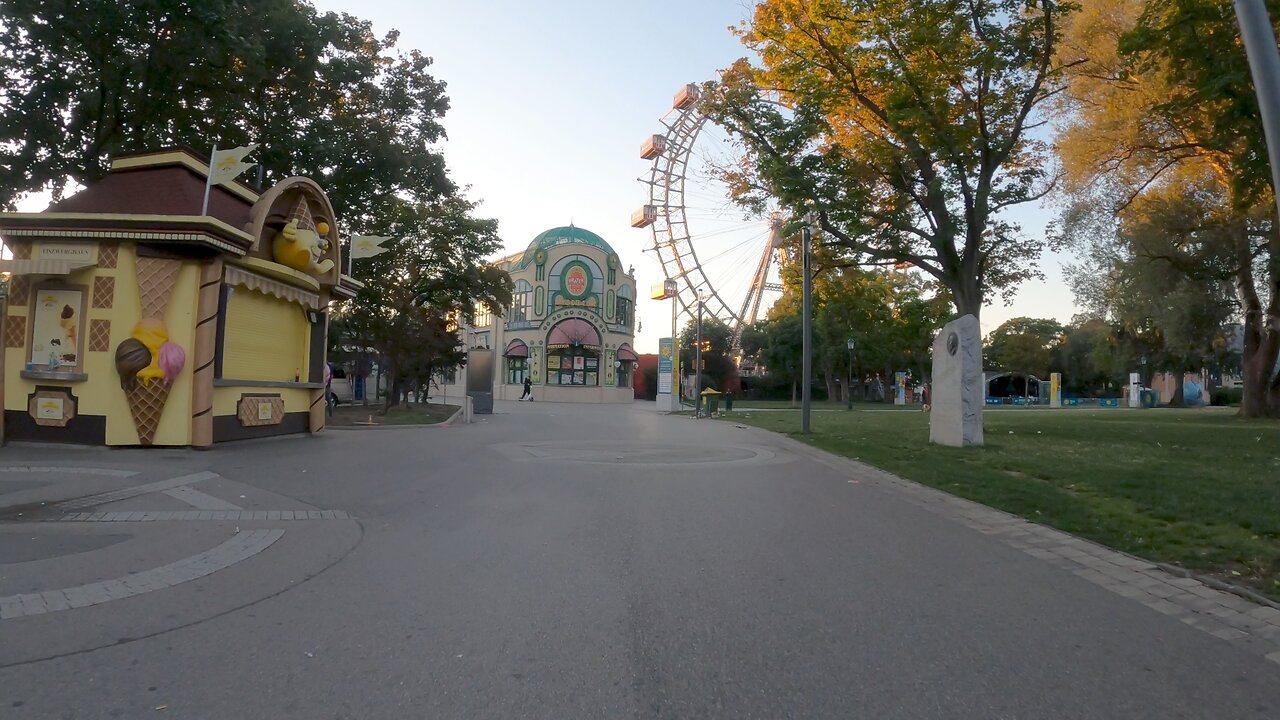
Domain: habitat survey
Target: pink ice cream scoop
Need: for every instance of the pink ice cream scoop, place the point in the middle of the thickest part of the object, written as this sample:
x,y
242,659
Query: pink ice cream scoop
x,y
171,360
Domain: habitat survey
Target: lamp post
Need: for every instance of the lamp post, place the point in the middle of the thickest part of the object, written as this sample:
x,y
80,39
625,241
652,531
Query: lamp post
x,y
806,370
848,376
697,363
1264,64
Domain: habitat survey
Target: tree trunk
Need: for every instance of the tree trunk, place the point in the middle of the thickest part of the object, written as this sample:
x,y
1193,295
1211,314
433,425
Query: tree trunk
x,y
1261,329
793,392
967,296
1179,380
829,379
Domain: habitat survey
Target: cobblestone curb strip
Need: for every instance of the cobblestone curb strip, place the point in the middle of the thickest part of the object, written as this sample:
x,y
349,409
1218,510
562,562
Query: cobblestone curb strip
x,y
1224,615
240,515
135,491
108,472
241,546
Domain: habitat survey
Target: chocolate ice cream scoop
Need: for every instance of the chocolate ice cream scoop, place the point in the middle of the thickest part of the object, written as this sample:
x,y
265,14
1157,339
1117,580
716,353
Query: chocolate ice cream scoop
x,y
131,356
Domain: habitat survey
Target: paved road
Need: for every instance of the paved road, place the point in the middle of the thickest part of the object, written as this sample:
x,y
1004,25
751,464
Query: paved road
x,y
563,561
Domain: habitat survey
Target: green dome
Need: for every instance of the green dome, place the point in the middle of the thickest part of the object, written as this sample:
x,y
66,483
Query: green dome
x,y
562,236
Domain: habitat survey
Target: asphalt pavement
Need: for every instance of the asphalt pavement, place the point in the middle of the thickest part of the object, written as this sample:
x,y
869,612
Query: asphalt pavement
x,y
557,561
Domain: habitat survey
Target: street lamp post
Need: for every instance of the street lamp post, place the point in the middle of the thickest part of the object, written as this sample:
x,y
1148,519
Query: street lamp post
x,y
806,371
848,377
1264,65
697,364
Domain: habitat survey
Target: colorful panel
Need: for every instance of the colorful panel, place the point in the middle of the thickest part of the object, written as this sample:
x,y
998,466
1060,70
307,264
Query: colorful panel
x,y
260,410
52,408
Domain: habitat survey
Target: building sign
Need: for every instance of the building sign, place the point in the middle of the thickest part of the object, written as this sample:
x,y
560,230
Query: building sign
x,y
575,281
77,252
566,313
666,365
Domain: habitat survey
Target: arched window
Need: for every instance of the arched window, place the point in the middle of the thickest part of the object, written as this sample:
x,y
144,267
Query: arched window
x,y
626,313
573,353
517,354
521,301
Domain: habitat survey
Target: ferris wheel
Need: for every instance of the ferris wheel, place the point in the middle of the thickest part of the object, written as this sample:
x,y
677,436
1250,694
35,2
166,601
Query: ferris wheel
x,y
712,249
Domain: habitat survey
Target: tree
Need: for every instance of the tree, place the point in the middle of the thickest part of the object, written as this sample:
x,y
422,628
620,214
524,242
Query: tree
x,y
717,356
1161,91
1024,345
433,276
776,345
321,93
1085,357
907,126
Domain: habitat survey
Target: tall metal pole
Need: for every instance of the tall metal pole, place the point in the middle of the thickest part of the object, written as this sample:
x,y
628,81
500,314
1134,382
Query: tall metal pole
x,y
806,362
1264,64
697,364
675,357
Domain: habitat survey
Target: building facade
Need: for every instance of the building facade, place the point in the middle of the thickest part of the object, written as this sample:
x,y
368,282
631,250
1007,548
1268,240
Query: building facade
x,y
134,320
569,329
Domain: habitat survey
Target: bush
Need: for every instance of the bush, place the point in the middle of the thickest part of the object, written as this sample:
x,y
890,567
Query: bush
x,y
1222,397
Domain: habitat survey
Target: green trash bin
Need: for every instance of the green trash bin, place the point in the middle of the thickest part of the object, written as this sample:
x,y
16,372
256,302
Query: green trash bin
x,y
710,402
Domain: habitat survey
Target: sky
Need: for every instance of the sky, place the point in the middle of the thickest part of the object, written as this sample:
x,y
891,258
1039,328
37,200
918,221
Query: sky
x,y
550,102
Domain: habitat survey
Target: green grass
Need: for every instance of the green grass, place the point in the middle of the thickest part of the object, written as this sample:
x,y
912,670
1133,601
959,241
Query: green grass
x,y
414,414
1200,488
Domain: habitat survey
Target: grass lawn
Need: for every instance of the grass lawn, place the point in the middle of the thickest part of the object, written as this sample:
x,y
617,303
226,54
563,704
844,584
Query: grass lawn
x,y
414,414
1199,488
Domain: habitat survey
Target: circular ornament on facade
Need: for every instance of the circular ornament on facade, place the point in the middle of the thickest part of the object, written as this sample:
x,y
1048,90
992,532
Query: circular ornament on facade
x,y
613,262
575,281
953,343
540,257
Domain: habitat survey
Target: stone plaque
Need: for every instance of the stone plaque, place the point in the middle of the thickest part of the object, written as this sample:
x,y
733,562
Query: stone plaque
x,y
957,393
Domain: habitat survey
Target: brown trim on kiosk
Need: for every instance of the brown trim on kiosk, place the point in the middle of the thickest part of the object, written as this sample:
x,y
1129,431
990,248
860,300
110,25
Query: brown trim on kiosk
x,y
228,427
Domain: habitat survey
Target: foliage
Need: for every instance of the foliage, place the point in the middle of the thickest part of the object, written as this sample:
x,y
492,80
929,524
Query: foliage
x,y
320,92
717,358
777,346
1161,98
1222,397
1024,345
1176,501
907,125
433,274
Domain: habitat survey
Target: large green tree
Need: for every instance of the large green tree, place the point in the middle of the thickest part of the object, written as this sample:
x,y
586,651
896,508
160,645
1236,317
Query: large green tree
x,y
433,276
907,126
1024,345
320,92
1160,92
717,353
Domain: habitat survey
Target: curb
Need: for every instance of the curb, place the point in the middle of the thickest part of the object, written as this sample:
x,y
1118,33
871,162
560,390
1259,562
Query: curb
x,y
443,423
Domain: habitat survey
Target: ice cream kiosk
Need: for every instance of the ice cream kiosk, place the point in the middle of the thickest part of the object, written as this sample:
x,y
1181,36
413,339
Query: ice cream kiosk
x,y
133,319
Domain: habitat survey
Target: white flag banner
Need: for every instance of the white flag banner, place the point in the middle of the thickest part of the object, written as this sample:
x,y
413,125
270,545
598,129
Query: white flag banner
x,y
363,246
226,165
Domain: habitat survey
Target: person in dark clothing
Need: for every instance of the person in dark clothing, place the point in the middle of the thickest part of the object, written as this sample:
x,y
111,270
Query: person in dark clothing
x,y
528,390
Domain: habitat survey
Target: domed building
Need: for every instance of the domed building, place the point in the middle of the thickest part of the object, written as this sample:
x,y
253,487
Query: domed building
x,y
571,323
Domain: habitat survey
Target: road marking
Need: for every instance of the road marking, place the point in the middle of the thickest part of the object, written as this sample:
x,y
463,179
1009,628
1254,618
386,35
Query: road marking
x,y
199,500
190,515
135,491
241,546
109,472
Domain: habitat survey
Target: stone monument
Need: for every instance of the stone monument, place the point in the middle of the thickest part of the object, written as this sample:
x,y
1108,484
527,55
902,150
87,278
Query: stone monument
x,y
957,393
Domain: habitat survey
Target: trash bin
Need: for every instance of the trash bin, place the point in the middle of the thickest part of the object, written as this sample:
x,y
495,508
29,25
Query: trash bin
x,y
728,402
1150,398
710,402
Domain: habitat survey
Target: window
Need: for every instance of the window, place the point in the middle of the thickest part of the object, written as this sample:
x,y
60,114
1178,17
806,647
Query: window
x,y
521,299
517,370
484,317
57,327
624,374
266,338
626,306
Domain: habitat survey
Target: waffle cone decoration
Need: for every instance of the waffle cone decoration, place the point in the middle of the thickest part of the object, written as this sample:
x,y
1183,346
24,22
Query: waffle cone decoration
x,y
146,403
156,277
302,213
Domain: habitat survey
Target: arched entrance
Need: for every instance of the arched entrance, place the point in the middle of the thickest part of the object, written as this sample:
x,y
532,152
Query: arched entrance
x,y
573,353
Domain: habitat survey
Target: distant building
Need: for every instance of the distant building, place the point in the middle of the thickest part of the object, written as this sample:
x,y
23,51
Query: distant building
x,y
569,329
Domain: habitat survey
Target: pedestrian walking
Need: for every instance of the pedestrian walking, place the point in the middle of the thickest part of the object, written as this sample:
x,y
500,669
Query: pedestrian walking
x,y
528,390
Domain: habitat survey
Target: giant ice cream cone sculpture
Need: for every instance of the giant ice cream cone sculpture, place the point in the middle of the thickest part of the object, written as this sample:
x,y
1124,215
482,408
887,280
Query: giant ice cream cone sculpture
x,y
147,362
